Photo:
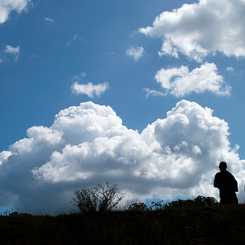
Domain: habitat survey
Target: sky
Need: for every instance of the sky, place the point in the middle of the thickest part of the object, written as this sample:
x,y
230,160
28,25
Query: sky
x,y
147,95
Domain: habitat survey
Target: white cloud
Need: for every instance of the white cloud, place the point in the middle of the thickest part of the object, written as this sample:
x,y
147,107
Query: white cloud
x,y
89,89
7,6
169,49
80,76
136,53
153,92
49,20
181,81
231,69
4,156
72,40
201,28
13,51
87,145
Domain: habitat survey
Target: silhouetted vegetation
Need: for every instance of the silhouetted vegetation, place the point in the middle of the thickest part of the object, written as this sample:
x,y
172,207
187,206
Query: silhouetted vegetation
x,y
105,198
185,225
197,221
101,198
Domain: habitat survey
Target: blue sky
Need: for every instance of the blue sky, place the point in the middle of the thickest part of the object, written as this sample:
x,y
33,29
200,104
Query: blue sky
x,y
144,94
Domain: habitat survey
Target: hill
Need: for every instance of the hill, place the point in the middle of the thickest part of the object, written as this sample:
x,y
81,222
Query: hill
x,y
201,225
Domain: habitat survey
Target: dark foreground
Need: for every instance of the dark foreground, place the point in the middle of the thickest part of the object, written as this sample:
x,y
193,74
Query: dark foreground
x,y
207,225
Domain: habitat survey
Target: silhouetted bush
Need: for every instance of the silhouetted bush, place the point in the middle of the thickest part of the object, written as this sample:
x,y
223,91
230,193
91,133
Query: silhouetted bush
x,y
199,201
138,207
157,205
100,198
202,201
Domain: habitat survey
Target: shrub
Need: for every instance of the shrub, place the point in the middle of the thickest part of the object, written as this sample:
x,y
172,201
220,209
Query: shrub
x,y
157,205
199,201
100,198
138,207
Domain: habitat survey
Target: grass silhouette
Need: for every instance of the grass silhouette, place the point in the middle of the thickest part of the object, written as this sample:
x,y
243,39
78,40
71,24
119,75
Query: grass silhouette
x,y
185,224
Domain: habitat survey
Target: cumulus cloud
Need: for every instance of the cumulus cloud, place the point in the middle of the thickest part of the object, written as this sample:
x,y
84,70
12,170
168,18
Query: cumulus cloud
x,y
136,53
88,144
198,29
7,6
181,81
89,89
4,156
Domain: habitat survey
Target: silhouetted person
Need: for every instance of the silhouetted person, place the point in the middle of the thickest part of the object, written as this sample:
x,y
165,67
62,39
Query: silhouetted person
x,y
227,185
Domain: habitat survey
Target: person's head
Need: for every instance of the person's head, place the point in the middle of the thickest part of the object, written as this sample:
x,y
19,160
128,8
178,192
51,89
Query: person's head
x,y
222,166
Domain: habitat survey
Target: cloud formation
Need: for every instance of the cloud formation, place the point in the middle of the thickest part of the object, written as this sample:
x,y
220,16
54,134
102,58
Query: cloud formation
x,y
48,20
231,69
87,145
180,81
7,6
72,40
89,89
198,29
79,77
13,51
153,92
136,53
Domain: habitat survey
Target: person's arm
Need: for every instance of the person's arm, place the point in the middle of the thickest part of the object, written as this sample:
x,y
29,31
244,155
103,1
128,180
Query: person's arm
x,y
216,185
216,181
